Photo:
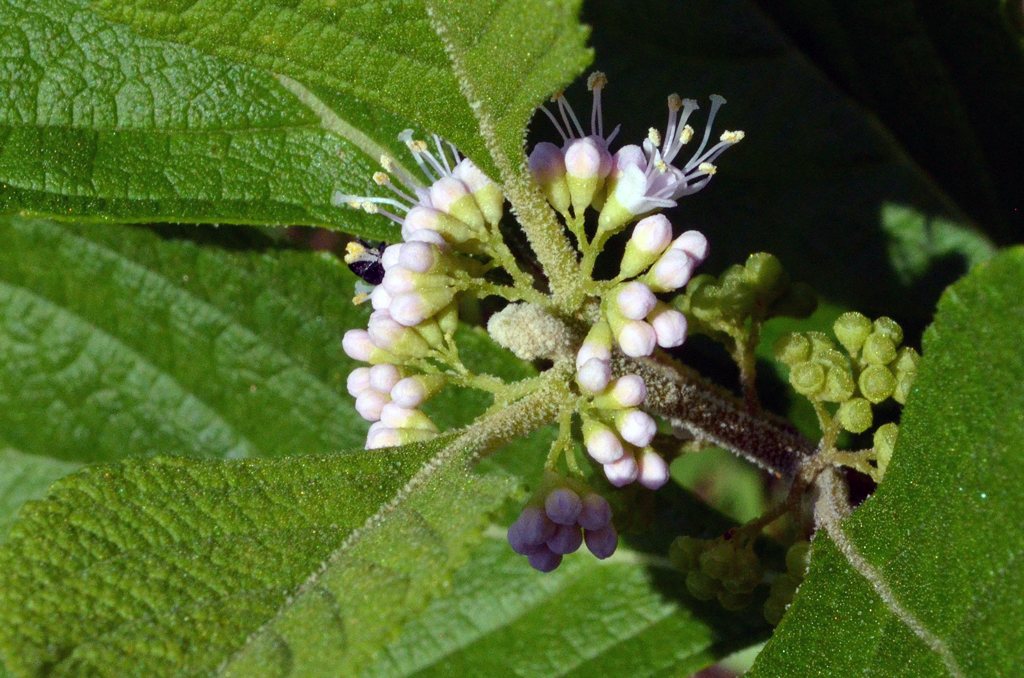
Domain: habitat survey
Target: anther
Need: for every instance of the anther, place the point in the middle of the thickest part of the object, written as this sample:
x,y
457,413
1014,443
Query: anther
x,y
655,136
597,80
707,168
674,102
685,134
380,178
369,207
732,137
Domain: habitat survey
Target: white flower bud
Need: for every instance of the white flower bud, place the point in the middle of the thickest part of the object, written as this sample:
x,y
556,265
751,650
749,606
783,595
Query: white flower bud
x,y
415,390
626,391
671,272
598,344
694,244
636,427
427,236
418,256
358,345
394,416
358,381
389,257
622,472
411,309
601,442
383,377
380,298
449,195
636,338
653,471
635,300
669,326
370,403
594,375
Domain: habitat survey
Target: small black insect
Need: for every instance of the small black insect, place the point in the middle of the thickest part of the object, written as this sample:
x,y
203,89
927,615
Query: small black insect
x,y
363,259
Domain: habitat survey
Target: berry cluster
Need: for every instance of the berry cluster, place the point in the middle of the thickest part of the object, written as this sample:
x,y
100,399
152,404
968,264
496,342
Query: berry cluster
x,y
872,369
784,585
723,568
558,520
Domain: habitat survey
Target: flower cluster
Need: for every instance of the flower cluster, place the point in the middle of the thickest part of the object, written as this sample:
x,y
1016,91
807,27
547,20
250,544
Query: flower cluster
x,y
558,520
410,335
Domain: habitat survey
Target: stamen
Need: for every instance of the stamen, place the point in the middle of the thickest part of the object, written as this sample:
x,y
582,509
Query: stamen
x,y
369,207
440,151
360,298
716,103
354,252
387,163
685,135
597,80
707,168
654,136
662,166
674,104
381,179
732,137
563,107
559,99
554,121
595,83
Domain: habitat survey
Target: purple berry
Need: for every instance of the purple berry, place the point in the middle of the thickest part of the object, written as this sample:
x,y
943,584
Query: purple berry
x,y
567,539
544,560
536,527
563,506
602,543
596,513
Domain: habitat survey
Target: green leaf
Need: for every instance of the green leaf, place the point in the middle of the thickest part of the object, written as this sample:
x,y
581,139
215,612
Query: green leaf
x,y
935,580
99,123
625,616
24,477
164,567
260,112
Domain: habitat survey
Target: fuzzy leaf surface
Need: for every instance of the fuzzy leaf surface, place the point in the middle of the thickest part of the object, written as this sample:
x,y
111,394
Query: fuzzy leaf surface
x,y
942,532
166,566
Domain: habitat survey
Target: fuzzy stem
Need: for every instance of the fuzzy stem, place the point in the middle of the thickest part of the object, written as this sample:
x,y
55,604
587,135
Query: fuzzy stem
x,y
713,415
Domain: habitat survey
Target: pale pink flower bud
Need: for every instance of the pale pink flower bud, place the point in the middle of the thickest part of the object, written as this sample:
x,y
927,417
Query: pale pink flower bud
x,y
420,218
603,542
380,298
630,155
671,272
370,403
384,331
653,471
636,427
622,472
383,377
669,326
694,244
563,506
357,345
358,381
596,512
601,442
399,280
652,234
389,257
394,416
636,338
583,158
566,539
547,163
414,391
628,391
417,256
594,375
383,437
427,236
635,300
446,191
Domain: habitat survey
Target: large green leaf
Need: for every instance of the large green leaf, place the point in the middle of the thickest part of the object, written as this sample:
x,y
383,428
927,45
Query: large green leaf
x,y
261,111
24,477
935,582
165,567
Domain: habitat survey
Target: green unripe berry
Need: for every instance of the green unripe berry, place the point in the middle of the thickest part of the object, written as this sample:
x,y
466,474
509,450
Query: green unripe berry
x,y
889,328
746,574
792,349
774,609
808,378
855,415
907,360
879,349
733,601
852,329
685,553
832,358
903,387
718,561
766,274
838,385
885,441
798,558
820,342
876,383
784,587
701,586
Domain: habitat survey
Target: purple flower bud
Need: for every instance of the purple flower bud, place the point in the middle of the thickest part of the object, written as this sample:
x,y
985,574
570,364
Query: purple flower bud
x,y
596,513
544,560
566,539
519,543
603,542
563,506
